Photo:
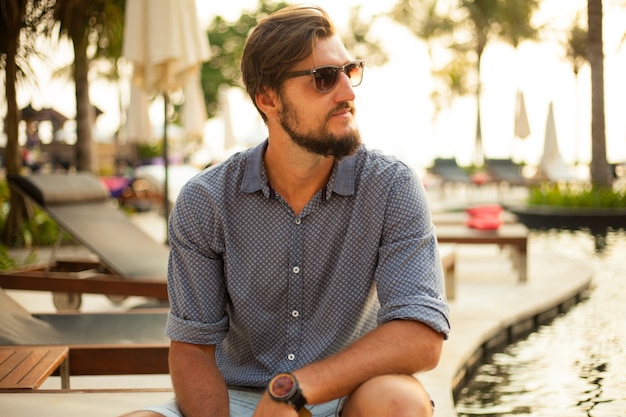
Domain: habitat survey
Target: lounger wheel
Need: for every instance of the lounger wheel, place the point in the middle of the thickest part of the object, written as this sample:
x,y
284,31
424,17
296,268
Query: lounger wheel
x,y
117,299
67,300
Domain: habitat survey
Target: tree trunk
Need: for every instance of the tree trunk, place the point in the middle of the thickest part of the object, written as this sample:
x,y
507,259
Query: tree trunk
x,y
478,158
18,209
600,173
84,112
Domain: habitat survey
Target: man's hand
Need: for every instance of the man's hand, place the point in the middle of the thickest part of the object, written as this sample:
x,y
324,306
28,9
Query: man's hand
x,y
270,408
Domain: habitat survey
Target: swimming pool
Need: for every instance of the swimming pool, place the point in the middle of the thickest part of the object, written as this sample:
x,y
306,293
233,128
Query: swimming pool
x,y
574,366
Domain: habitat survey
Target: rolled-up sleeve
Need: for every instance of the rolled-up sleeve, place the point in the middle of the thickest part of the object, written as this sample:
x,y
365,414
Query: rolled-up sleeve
x,y
409,275
196,285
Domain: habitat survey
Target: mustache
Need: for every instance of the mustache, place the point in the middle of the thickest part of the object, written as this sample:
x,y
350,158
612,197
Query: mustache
x,y
346,105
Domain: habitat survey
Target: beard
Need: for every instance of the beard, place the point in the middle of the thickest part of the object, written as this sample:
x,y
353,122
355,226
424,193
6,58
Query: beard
x,y
321,141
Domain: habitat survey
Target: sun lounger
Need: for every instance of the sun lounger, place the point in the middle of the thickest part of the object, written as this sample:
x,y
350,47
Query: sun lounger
x,y
513,236
99,343
505,171
447,254
450,172
460,217
177,175
130,262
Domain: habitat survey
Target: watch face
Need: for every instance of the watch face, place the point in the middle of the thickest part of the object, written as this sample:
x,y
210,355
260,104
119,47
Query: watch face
x,y
282,385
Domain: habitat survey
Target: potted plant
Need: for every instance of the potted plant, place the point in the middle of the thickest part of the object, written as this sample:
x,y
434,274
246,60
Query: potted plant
x,y
573,207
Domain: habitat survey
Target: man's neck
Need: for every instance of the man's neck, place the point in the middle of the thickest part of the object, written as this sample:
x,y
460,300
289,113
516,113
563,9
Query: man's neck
x,y
295,174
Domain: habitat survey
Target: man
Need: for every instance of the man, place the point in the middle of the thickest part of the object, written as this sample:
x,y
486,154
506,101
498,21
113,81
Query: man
x,y
304,274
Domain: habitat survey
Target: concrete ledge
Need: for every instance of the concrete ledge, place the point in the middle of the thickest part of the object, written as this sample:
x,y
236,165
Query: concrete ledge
x,y
77,403
491,309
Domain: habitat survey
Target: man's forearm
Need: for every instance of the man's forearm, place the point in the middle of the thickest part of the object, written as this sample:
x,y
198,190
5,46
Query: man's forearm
x,y
397,347
199,386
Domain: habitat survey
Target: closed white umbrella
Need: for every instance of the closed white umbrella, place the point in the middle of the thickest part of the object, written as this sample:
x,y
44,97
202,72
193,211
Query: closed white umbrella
x,y
194,114
550,145
138,128
551,164
230,141
165,44
522,128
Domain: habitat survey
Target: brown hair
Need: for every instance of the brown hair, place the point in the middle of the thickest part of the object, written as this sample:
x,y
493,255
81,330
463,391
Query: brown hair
x,y
279,42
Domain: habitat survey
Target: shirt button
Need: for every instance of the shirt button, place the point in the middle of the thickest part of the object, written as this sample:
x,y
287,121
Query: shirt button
x,y
295,313
291,356
296,269
298,220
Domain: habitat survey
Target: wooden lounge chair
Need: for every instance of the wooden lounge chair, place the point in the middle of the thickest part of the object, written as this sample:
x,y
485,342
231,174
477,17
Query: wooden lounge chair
x,y
513,236
447,254
99,343
129,262
460,217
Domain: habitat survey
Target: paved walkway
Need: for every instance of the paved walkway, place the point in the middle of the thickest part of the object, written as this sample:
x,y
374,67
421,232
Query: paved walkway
x,y
490,308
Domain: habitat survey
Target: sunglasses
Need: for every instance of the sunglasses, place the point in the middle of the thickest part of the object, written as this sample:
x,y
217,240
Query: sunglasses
x,y
325,78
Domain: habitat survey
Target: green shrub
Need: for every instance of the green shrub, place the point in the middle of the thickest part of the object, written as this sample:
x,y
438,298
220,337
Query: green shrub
x,y
149,151
40,230
576,196
6,261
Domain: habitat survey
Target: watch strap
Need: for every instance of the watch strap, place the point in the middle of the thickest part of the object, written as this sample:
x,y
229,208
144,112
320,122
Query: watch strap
x,y
298,400
304,412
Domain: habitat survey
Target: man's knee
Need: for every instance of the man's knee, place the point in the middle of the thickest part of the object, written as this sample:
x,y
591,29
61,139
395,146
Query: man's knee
x,y
142,413
389,395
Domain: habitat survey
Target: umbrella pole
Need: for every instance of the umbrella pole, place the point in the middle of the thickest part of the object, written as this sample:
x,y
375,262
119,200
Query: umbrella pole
x,y
166,200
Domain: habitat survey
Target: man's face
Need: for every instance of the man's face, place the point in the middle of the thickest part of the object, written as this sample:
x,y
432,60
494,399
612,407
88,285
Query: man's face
x,y
321,123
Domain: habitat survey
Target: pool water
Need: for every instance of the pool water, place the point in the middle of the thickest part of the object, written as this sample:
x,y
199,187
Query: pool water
x,y
573,366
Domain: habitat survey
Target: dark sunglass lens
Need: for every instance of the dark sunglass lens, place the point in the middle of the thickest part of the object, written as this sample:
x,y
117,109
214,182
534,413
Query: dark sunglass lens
x,y
354,71
326,78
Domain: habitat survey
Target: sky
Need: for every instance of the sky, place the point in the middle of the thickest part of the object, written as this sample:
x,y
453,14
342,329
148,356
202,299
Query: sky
x,y
394,110
396,114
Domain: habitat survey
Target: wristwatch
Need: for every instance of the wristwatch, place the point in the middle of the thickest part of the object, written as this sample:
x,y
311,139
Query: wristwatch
x,y
284,388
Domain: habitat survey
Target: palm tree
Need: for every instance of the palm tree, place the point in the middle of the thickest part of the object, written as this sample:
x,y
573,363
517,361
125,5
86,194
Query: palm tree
x,y
508,20
599,170
577,53
515,25
16,45
95,25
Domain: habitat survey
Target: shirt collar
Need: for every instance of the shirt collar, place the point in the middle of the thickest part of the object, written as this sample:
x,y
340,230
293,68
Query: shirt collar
x,y
341,183
252,172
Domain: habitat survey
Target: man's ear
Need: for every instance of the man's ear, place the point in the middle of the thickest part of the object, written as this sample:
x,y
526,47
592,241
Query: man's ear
x,y
268,102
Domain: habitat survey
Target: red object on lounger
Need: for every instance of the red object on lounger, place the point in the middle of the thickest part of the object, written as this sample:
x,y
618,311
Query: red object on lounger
x,y
485,217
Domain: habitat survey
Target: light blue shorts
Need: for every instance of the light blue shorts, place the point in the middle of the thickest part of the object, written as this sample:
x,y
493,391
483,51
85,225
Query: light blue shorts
x,y
243,403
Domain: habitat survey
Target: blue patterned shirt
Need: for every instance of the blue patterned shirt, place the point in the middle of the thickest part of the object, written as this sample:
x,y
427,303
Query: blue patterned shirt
x,y
275,291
